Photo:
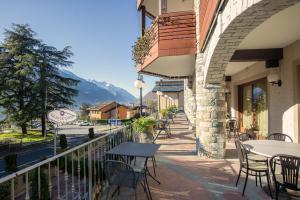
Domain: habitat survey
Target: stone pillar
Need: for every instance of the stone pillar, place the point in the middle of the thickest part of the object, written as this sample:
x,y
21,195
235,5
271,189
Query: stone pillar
x,y
210,114
190,103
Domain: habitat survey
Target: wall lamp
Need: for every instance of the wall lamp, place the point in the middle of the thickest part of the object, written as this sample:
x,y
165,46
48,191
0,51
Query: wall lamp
x,y
273,77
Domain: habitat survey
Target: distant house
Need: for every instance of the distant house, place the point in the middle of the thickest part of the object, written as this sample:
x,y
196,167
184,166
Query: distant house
x,y
111,110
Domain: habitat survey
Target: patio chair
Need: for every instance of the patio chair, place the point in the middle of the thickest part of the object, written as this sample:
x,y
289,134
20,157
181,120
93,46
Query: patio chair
x,y
250,167
161,126
232,127
288,176
244,137
171,117
280,137
121,174
252,156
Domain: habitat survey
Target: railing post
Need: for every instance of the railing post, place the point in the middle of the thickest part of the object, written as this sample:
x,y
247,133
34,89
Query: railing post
x,y
26,186
90,170
72,162
66,176
84,172
39,182
58,181
12,189
49,180
78,172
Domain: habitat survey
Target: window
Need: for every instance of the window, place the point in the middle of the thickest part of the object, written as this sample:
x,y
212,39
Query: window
x,y
253,106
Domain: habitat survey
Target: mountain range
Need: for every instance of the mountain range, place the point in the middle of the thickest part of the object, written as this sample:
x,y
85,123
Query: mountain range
x,y
94,92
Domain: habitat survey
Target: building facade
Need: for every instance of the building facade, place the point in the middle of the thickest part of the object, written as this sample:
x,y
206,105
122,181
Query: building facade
x,y
169,93
111,110
238,58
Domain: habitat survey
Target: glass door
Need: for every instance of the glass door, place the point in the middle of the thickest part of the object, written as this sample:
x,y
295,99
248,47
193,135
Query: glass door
x,y
253,106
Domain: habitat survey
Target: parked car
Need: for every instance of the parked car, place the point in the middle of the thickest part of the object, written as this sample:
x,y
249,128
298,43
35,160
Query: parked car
x,y
85,124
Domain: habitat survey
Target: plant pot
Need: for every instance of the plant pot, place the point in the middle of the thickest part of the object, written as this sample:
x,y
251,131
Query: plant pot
x,y
145,137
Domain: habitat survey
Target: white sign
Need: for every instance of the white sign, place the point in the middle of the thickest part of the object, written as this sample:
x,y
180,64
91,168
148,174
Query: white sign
x,y
62,116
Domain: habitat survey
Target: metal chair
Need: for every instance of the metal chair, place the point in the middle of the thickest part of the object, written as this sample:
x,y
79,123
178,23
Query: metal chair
x,y
288,177
171,117
162,126
232,127
250,167
244,137
121,174
280,137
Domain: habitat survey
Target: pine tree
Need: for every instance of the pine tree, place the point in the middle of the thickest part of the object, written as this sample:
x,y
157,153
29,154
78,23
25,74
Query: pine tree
x,y
30,81
54,90
17,75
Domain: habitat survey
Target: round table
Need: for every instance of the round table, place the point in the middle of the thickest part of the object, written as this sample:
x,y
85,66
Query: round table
x,y
270,148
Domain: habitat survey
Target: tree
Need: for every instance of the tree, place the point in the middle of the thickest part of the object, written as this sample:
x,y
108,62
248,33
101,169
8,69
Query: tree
x,y
30,81
53,90
17,75
84,112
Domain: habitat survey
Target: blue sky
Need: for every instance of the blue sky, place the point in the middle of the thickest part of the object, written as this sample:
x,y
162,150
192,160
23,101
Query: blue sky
x,y
101,34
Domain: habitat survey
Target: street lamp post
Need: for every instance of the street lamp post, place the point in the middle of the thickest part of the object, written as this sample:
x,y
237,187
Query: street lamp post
x,y
140,84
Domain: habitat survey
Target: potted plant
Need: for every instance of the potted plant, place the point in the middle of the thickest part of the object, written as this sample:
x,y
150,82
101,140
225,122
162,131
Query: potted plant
x,y
144,129
164,113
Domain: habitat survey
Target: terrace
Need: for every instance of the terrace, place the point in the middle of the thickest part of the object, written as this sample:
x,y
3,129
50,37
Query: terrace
x,y
183,175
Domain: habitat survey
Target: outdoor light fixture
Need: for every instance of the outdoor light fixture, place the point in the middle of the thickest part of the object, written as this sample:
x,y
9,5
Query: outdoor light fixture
x,y
140,84
158,93
273,77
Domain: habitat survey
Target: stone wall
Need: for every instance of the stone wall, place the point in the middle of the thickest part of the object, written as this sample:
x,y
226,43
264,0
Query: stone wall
x,y
210,104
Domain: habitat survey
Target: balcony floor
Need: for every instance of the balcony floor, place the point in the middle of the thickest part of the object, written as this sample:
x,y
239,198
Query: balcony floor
x,y
185,176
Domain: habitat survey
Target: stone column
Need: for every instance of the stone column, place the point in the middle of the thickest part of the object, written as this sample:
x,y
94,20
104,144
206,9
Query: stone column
x,y
189,103
210,115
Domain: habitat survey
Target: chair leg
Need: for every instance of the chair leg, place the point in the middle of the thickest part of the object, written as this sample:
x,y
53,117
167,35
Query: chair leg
x,y
237,181
247,173
268,180
256,179
153,165
277,191
260,179
148,189
107,194
135,195
153,159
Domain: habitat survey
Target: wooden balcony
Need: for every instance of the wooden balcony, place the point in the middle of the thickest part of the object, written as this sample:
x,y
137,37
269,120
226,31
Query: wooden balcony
x,y
173,46
207,11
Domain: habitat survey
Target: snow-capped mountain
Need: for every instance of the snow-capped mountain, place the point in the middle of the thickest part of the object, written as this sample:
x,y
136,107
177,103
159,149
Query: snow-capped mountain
x,y
94,92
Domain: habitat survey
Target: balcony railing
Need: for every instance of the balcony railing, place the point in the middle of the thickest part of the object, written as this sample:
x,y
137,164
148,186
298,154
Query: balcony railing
x,y
172,34
74,174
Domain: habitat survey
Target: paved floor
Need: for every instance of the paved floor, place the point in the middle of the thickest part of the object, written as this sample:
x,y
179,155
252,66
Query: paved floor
x,y
185,176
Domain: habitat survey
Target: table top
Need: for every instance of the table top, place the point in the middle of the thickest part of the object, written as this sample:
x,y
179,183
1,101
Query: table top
x,y
135,149
270,148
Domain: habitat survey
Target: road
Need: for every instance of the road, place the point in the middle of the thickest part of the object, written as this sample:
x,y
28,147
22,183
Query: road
x,y
75,136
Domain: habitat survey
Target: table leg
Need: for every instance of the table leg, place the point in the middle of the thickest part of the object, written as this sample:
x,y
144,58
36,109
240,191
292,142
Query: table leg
x,y
148,172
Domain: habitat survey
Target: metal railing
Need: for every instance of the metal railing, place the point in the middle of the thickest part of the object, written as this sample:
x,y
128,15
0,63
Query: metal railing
x,y
74,174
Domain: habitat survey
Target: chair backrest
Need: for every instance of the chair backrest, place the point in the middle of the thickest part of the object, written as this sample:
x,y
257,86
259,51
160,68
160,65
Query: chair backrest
x,y
242,152
120,174
232,125
280,137
290,166
244,137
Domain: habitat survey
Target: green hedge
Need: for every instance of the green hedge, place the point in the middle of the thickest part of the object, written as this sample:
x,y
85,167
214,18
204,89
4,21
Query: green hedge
x,y
102,121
